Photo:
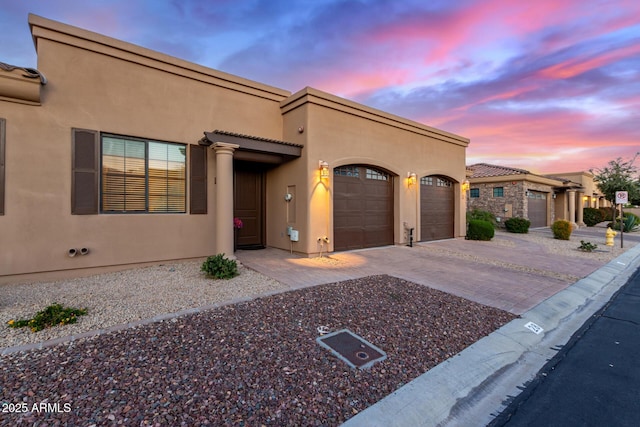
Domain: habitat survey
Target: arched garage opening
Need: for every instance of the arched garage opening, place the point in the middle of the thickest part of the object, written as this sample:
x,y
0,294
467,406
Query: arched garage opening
x,y
537,208
362,207
437,208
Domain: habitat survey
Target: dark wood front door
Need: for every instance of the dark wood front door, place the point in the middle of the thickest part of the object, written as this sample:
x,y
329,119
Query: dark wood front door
x,y
248,205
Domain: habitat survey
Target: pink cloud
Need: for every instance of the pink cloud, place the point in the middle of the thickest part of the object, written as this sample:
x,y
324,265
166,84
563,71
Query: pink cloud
x,y
576,66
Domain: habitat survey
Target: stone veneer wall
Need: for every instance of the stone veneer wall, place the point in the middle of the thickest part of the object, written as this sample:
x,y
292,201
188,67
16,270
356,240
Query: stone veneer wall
x,y
514,203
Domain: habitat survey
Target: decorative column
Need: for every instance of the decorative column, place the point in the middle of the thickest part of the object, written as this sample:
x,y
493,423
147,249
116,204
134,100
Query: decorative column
x,y
571,195
580,209
224,198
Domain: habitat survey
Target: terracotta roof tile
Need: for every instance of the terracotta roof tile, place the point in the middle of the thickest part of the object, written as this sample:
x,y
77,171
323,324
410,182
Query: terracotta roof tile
x,y
485,170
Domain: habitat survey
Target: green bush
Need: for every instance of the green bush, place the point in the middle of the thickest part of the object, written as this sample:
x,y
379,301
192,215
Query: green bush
x,y
517,225
561,229
607,215
592,216
482,215
631,222
219,267
51,316
587,246
480,230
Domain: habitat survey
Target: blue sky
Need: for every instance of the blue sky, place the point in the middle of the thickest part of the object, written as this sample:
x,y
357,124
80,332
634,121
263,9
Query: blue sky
x,y
546,85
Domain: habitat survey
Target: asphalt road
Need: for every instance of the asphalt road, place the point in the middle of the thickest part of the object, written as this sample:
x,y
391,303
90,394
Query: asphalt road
x,y
594,380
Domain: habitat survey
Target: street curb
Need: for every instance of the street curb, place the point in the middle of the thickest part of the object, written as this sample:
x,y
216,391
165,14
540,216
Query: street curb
x,y
472,387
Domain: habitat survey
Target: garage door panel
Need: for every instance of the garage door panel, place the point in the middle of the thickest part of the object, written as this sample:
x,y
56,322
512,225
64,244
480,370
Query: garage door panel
x,y
437,210
537,208
363,209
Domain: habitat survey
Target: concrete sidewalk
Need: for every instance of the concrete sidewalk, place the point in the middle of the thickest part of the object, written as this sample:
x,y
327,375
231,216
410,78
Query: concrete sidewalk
x,y
554,294
595,379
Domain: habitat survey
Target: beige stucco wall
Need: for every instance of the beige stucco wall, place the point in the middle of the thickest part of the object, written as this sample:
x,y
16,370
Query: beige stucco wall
x,y
106,85
341,132
98,83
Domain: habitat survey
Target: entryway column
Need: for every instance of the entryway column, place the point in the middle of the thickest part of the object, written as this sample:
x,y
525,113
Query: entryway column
x,y
224,198
571,195
580,209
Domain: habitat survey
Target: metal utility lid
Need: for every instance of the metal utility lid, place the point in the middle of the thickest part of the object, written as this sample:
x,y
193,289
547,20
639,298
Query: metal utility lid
x,y
352,349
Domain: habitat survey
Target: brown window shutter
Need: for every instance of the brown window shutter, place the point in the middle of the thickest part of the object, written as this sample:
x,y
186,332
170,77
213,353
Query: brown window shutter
x,y
85,172
2,143
198,179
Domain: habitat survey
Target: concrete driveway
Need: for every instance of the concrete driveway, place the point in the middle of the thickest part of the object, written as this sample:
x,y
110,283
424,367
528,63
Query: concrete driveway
x,y
512,272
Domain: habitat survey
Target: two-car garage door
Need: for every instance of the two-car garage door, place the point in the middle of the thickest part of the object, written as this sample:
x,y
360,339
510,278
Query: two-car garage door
x,y
362,207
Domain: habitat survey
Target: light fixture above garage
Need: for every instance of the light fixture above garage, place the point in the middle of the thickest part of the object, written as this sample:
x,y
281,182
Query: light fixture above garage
x,y
411,178
324,169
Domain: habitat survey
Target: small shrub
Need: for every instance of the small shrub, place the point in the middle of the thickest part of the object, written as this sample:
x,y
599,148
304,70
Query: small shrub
x,y
607,215
480,230
561,229
587,246
51,316
631,222
219,267
517,225
592,216
482,215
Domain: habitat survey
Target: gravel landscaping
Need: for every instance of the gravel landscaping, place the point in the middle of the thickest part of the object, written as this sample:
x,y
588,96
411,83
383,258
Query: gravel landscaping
x,y
248,356
251,363
123,297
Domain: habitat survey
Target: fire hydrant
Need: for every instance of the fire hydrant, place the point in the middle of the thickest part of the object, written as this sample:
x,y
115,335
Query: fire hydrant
x,y
609,235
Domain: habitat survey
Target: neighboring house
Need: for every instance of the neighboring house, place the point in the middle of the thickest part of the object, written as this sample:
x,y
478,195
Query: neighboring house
x,y
139,157
580,192
510,192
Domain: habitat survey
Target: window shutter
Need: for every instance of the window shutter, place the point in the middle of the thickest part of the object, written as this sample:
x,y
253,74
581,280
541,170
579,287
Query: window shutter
x,y
2,142
198,179
85,169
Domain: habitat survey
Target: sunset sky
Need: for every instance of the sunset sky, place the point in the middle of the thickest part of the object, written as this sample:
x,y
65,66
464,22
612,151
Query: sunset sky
x,y
544,85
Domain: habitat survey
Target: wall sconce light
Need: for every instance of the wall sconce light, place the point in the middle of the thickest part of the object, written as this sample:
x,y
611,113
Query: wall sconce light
x,y
554,195
411,178
324,169
466,185
585,198
526,193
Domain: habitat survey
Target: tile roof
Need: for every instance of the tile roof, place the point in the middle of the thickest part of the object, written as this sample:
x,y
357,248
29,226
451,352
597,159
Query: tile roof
x,y
255,138
485,170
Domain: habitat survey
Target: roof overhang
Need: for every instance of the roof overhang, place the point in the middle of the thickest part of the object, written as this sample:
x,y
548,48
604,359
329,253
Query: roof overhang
x,y
255,149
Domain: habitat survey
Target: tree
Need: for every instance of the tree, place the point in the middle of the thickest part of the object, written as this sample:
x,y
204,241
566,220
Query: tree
x,y
618,175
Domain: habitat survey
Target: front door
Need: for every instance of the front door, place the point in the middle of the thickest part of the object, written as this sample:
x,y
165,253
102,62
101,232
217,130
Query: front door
x,y
248,205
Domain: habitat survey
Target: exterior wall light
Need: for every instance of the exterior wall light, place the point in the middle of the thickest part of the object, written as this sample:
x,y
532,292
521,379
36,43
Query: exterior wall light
x,y
324,169
411,178
466,185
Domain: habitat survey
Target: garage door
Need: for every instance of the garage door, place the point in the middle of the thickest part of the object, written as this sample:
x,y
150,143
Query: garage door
x,y
362,207
537,208
437,208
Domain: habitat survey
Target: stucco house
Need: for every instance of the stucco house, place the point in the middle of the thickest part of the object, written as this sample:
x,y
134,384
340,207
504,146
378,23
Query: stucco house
x,y
511,192
113,155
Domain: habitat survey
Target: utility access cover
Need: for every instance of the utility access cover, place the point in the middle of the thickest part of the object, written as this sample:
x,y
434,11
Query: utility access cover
x,y
353,350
